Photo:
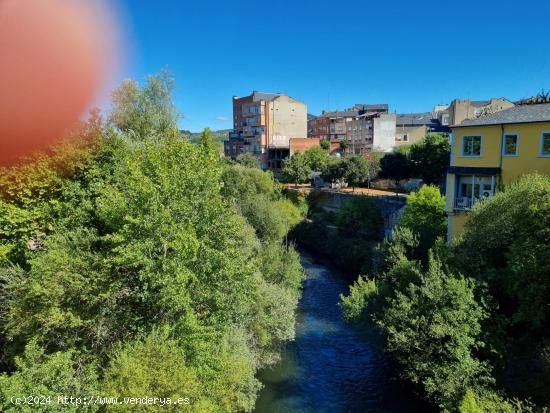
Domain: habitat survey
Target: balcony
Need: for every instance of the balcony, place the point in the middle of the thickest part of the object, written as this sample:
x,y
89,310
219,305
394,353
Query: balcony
x,y
247,131
252,111
473,189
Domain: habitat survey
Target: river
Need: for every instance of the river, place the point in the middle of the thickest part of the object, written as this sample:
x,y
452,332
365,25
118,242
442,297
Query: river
x,y
330,367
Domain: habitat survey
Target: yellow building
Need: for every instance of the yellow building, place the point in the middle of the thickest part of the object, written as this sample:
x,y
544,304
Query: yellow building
x,y
491,152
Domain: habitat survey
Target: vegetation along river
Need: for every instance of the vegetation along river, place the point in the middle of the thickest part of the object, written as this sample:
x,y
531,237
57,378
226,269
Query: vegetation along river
x,y
330,367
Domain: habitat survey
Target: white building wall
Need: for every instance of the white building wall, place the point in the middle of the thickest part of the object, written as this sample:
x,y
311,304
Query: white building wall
x,y
384,132
287,119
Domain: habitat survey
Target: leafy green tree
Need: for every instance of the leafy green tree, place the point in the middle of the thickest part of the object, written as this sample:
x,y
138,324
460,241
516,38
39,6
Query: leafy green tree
x,y
296,169
267,217
394,166
425,215
506,236
359,305
154,366
403,149
487,401
316,158
240,182
430,158
334,170
433,332
248,159
142,112
48,375
325,144
356,170
344,144
361,216
373,159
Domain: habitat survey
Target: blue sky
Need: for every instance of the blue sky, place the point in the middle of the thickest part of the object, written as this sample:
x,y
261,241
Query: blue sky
x,y
409,54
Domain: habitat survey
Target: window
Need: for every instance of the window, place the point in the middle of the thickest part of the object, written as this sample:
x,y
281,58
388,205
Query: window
x,y
472,189
405,137
545,144
471,146
510,147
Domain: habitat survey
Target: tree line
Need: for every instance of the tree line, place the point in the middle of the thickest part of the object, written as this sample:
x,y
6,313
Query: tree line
x,y
427,159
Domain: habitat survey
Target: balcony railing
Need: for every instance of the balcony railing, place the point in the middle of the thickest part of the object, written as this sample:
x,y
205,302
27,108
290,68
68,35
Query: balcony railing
x,y
467,202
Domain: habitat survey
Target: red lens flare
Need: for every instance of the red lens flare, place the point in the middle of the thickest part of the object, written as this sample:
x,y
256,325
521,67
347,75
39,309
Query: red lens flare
x,y
55,57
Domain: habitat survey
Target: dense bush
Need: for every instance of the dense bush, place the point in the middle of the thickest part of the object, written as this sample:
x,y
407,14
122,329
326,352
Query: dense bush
x,y
350,244
425,216
360,216
49,376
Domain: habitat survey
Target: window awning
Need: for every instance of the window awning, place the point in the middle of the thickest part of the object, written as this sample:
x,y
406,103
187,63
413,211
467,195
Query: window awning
x,y
473,170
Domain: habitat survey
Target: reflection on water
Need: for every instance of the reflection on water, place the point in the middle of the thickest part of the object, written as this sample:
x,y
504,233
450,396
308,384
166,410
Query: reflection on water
x,y
329,367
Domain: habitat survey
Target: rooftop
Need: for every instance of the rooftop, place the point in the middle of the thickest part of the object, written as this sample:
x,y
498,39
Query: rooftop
x,y
518,114
424,118
257,96
356,110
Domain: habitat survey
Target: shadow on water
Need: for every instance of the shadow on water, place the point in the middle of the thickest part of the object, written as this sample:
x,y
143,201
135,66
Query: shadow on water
x,y
330,367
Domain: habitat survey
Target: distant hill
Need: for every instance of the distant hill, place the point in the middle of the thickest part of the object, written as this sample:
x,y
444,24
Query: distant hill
x,y
219,135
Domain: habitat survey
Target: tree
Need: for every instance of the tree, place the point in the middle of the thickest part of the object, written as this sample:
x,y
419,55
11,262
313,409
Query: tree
x,y
433,331
334,170
296,169
425,215
430,158
141,112
505,244
373,159
48,375
325,144
360,216
541,97
394,166
344,144
248,159
156,365
356,170
316,158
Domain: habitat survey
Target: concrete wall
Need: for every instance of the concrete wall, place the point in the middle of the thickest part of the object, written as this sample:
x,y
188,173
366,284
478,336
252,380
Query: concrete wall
x,y
464,109
391,207
414,134
287,118
384,132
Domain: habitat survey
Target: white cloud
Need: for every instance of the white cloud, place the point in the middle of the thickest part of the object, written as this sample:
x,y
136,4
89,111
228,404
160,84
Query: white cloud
x,y
221,118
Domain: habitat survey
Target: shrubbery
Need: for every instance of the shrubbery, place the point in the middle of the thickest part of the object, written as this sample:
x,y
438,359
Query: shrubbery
x,y
460,320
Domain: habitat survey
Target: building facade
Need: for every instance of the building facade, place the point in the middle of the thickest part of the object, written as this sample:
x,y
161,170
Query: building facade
x,y
264,124
371,132
363,127
413,127
491,152
460,110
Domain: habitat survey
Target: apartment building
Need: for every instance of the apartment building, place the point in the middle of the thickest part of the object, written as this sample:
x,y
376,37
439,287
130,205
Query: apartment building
x,y
264,124
460,110
492,151
372,132
364,127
